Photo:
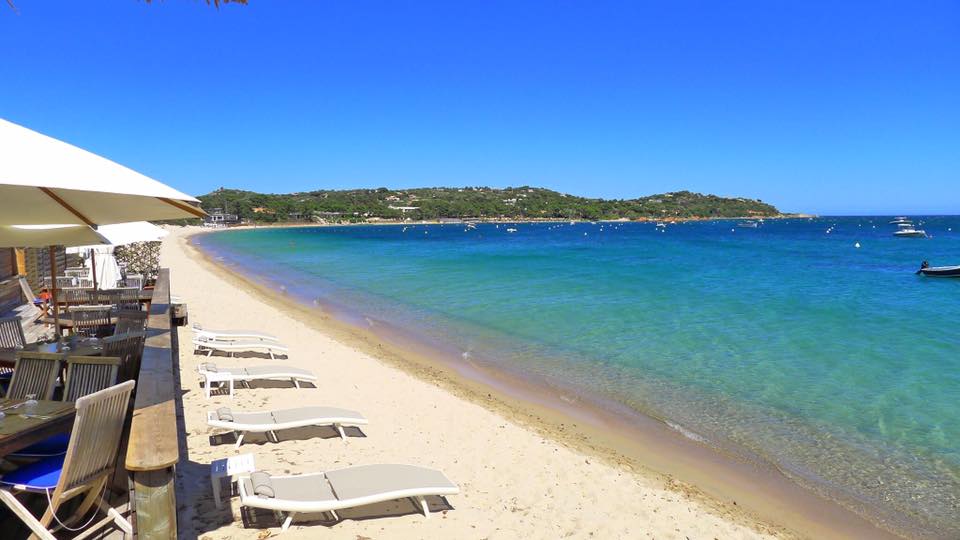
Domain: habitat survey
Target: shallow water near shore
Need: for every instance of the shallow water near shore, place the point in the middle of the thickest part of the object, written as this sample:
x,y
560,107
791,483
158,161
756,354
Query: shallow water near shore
x,y
836,364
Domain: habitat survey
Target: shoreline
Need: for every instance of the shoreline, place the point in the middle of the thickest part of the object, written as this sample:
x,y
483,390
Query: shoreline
x,y
753,494
459,221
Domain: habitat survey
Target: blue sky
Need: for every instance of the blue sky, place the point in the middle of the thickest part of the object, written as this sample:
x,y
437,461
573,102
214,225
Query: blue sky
x,y
828,107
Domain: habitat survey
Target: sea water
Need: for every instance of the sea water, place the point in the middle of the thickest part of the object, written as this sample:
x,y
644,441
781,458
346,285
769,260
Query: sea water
x,y
808,343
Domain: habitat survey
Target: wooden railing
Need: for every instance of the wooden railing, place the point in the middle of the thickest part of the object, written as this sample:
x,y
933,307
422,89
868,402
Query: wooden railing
x,y
153,449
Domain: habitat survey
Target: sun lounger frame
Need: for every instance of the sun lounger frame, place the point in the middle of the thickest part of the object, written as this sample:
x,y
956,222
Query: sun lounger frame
x,y
232,335
295,375
241,429
230,347
417,496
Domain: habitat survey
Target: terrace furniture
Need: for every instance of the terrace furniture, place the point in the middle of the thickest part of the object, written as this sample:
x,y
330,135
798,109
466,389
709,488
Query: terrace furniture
x,y
88,374
45,419
11,333
270,422
212,374
85,375
209,345
72,296
85,469
35,373
90,321
130,320
128,348
134,280
344,488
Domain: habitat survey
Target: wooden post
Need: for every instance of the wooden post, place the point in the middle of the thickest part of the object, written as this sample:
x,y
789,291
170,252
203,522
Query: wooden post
x,y
53,290
93,267
21,256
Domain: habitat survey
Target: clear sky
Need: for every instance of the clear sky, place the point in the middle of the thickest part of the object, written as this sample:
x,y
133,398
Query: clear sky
x,y
832,107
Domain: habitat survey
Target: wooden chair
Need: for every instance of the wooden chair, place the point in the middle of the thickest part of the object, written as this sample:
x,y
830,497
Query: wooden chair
x,y
106,297
11,333
34,373
85,469
89,374
90,320
72,296
129,298
128,348
130,320
134,280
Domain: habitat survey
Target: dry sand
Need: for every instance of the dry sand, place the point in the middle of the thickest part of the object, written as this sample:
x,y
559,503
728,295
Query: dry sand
x,y
514,482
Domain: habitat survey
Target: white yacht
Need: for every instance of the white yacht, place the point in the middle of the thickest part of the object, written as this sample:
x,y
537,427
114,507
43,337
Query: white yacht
x,y
906,230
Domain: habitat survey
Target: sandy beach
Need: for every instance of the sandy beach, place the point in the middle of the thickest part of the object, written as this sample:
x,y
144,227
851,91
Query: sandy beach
x,y
522,473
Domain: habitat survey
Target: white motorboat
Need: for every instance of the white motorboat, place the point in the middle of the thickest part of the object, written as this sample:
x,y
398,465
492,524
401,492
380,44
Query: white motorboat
x,y
906,230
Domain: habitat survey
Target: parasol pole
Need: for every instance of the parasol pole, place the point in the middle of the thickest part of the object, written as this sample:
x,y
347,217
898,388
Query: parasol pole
x,y
93,267
53,291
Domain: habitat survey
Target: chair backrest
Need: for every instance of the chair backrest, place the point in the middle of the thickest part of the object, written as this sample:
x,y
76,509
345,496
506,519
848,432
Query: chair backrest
x,y
11,333
63,282
34,373
130,320
95,439
78,272
90,320
134,280
107,297
89,374
128,348
72,295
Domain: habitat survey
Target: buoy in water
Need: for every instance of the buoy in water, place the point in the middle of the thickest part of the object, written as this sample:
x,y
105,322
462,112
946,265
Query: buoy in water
x,y
857,245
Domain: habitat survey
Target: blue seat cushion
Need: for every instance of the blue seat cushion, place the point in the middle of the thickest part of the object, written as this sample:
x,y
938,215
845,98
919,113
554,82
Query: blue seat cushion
x,y
7,375
55,445
39,475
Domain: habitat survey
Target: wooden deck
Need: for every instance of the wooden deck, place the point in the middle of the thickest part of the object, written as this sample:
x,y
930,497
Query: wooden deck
x,y
32,331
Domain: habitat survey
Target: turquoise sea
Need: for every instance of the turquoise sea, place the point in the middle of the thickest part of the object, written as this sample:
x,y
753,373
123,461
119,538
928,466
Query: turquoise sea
x,y
836,364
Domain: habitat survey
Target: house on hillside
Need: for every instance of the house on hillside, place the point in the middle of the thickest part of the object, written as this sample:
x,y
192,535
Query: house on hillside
x,y
217,218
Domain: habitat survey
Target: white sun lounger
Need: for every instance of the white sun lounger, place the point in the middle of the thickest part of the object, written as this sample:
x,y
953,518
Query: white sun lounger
x,y
213,374
209,345
270,422
232,335
344,488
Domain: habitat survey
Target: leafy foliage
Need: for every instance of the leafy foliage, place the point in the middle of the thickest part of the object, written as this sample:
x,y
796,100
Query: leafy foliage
x,y
472,202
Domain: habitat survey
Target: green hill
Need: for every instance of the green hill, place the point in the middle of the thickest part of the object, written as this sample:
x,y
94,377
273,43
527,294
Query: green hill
x,y
473,202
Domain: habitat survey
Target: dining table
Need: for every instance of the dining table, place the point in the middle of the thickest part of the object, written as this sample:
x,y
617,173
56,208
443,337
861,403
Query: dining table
x,y
25,422
71,346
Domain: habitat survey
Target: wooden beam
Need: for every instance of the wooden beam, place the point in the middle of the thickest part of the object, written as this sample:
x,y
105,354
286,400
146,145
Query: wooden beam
x,y
185,207
153,448
64,204
153,432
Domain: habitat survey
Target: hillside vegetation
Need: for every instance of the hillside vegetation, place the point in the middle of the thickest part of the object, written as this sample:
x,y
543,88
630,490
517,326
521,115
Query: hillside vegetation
x,y
473,202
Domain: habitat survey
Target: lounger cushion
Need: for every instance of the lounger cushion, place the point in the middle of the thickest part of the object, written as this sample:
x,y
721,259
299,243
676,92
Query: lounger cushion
x,y
306,414
300,488
368,480
224,414
262,485
39,475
